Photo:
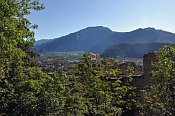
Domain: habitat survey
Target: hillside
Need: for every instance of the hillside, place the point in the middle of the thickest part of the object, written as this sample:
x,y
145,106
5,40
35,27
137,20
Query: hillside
x,y
83,40
146,35
42,41
132,50
97,39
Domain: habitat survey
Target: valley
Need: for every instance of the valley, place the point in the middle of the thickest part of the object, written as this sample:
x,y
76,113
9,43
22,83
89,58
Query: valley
x,y
108,43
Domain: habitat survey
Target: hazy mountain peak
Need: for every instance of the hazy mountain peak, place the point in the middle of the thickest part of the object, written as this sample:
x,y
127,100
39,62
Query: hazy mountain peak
x,y
150,29
147,29
96,28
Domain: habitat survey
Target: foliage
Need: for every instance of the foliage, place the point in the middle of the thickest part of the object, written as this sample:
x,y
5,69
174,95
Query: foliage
x,y
20,81
91,92
158,97
26,90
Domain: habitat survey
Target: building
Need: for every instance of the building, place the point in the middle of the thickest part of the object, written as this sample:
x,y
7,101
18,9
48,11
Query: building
x,y
95,58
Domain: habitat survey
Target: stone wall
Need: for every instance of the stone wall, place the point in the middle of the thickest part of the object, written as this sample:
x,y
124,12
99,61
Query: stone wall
x,y
148,60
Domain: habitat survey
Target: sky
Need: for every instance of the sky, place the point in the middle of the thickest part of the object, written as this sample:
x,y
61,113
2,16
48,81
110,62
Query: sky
x,y
61,17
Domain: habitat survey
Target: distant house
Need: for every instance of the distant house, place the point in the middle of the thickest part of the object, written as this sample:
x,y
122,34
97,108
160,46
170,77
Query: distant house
x,y
95,58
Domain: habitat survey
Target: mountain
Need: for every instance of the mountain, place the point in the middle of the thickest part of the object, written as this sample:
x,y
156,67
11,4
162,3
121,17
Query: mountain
x,y
38,44
83,40
132,50
97,39
42,41
147,35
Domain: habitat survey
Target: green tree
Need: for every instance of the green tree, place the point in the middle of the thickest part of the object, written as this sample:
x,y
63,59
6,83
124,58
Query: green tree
x,y
102,96
122,92
20,81
75,91
159,96
55,93
90,77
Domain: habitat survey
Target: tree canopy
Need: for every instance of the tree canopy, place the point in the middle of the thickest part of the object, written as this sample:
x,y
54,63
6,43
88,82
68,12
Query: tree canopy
x,y
85,89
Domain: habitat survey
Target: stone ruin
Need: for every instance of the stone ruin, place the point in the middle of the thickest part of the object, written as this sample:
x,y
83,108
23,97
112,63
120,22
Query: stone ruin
x,y
148,60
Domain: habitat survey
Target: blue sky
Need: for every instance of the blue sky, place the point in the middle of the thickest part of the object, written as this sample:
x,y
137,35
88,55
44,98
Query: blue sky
x,y
61,17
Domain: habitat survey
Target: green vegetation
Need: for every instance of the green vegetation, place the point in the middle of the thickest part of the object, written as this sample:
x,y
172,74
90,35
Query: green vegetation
x,y
86,89
159,95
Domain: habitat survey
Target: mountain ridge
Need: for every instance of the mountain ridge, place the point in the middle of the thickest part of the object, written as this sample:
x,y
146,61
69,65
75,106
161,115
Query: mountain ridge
x,y
136,50
97,39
